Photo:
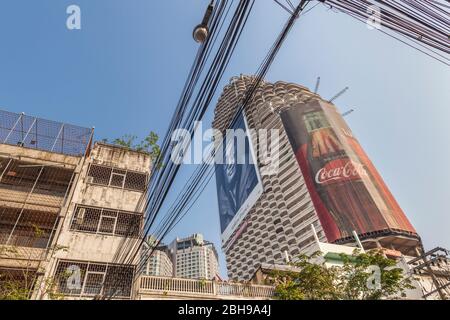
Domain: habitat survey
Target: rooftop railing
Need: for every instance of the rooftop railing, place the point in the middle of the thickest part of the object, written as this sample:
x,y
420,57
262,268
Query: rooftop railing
x,y
26,131
209,289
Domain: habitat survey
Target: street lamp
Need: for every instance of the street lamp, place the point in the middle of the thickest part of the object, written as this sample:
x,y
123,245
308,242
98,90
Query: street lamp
x,y
201,31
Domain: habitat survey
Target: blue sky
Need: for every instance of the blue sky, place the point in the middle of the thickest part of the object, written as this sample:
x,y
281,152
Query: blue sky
x,y
124,71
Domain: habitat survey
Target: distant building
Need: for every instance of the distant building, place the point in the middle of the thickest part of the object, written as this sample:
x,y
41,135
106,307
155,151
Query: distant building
x,y
159,263
194,258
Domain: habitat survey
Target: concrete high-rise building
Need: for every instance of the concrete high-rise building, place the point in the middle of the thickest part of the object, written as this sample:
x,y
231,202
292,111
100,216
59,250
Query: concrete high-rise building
x,y
278,223
194,258
159,263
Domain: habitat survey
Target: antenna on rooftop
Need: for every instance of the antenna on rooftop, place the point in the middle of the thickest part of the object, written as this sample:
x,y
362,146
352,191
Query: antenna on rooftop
x,y
316,89
339,94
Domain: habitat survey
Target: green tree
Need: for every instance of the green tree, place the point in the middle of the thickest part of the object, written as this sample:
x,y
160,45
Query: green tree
x,y
307,281
356,279
21,285
371,276
149,144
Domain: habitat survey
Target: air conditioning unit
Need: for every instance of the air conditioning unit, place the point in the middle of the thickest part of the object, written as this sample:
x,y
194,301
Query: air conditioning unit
x,y
80,215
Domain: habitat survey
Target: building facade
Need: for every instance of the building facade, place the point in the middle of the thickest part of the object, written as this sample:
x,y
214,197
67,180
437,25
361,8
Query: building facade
x,y
160,263
39,162
194,258
104,214
278,223
69,211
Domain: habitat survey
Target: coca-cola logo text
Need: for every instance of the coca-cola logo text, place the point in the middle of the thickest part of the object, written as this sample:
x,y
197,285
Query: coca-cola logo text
x,y
338,170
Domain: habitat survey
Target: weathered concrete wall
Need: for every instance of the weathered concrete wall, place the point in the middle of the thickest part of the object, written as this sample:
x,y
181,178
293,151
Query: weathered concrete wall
x,y
107,197
38,156
98,247
91,247
20,257
120,157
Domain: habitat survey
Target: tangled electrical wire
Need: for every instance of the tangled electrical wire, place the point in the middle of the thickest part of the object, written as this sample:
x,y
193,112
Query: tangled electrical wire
x,y
131,251
201,177
423,25
196,96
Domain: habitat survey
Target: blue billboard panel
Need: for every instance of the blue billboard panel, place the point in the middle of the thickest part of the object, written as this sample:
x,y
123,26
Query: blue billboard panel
x,y
238,181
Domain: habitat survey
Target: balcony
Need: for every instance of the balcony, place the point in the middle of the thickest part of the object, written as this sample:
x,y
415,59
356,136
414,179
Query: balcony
x,y
156,288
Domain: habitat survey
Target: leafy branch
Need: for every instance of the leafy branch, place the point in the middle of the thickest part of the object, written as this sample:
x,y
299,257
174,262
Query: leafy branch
x,y
148,144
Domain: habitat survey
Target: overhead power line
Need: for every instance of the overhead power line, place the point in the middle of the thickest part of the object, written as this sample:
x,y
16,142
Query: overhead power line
x,y
423,25
204,173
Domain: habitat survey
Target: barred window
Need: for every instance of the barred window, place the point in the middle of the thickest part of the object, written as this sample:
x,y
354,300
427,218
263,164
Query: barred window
x,y
106,221
74,278
135,181
100,175
118,178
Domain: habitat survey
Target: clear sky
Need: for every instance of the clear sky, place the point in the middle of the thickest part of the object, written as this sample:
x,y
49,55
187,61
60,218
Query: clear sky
x,y
124,70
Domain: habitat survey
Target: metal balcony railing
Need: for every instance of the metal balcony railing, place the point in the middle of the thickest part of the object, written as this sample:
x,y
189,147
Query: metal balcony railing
x,y
192,287
41,134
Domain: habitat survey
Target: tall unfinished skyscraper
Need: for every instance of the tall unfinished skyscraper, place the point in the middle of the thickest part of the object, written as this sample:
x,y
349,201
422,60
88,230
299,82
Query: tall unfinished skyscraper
x,y
321,177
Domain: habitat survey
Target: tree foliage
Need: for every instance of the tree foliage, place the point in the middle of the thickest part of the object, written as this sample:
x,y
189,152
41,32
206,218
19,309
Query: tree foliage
x,y
21,284
148,144
355,279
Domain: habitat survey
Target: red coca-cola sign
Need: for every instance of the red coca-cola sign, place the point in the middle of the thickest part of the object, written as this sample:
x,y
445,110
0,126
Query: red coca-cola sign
x,y
340,170
347,191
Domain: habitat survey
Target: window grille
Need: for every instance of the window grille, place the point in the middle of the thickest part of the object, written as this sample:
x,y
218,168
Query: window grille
x,y
101,175
41,134
117,178
46,180
20,280
26,228
88,279
106,221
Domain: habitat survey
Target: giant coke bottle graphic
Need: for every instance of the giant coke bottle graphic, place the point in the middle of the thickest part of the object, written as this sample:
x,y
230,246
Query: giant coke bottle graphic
x,y
347,191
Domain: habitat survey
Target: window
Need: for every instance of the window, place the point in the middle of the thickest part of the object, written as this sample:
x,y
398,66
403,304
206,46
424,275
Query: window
x,y
92,279
135,181
94,282
99,174
117,178
106,221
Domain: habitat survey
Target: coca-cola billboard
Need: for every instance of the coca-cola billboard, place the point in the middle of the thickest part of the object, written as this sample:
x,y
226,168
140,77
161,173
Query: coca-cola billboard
x,y
347,191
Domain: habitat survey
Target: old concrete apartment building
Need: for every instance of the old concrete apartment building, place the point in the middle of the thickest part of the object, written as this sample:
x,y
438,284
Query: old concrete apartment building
x,y
66,205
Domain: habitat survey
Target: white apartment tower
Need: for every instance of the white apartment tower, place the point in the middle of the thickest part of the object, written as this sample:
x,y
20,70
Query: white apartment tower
x,y
159,264
194,258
